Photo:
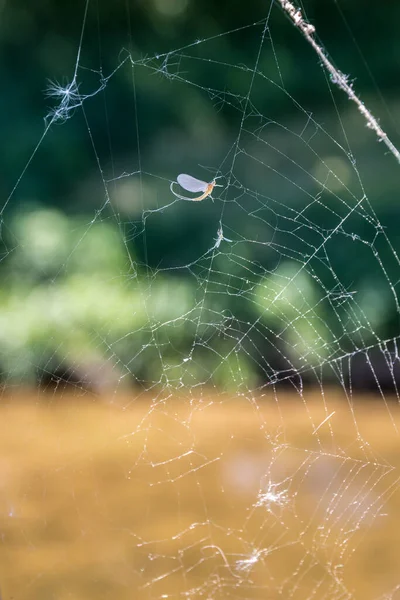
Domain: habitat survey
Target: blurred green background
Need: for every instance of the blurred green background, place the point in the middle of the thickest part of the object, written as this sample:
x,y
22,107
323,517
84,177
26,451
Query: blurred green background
x,y
107,280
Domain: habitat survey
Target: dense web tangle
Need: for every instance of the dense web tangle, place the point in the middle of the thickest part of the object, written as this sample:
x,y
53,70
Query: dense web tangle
x,y
228,337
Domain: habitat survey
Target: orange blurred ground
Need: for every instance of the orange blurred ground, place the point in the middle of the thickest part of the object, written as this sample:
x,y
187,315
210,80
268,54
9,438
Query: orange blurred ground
x,y
148,498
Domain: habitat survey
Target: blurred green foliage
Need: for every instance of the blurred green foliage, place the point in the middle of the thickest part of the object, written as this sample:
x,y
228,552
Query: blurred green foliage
x,y
78,305
74,304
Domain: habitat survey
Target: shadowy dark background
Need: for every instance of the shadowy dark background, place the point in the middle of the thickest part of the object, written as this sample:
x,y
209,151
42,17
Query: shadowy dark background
x,y
108,280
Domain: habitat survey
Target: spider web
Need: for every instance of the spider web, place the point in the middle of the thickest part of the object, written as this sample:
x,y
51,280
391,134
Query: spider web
x,y
228,336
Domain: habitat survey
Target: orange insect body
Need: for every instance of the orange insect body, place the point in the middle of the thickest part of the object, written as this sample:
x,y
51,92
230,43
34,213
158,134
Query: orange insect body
x,y
191,184
208,191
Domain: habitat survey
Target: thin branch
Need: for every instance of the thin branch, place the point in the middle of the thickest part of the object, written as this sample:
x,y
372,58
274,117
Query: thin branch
x,y
337,77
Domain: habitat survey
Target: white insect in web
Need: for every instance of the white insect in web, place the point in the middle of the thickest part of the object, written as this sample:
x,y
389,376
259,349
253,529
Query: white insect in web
x,y
68,98
191,184
246,564
220,238
273,497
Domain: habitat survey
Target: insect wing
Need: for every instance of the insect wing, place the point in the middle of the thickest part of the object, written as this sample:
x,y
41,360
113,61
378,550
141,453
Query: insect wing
x,y
191,184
